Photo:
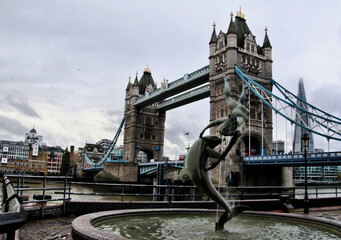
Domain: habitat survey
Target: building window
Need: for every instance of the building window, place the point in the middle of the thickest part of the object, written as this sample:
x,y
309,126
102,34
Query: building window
x,y
148,121
252,113
248,46
252,48
141,135
153,137
220,45
259,116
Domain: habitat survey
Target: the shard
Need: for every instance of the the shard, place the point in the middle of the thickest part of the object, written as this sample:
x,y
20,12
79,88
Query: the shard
x,y
302,118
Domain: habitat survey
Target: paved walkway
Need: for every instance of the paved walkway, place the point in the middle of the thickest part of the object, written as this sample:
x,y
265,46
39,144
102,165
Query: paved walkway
x,y
331,213
59,228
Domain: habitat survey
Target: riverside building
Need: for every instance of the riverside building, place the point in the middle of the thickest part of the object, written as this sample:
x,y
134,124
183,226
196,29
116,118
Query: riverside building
x,y
30,156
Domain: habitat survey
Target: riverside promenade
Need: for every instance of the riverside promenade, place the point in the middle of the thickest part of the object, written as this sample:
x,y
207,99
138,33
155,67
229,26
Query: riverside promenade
x,y
59,228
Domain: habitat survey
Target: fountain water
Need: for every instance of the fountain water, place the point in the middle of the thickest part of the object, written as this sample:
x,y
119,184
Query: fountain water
x,y
197,224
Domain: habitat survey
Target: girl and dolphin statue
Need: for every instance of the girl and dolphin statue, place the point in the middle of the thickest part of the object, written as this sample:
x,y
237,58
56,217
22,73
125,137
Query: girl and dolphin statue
x,y
197,160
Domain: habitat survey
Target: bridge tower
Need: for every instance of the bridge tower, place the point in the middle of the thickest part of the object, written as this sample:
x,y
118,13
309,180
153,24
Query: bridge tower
x,y
144,127
238,47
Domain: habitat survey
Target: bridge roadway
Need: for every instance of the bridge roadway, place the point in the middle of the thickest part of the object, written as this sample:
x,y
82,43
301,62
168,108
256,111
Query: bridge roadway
x,y
187,82
318,159
151,168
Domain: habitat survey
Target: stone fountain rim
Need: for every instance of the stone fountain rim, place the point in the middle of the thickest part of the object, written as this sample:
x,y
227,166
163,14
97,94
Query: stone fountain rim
x,y
82,226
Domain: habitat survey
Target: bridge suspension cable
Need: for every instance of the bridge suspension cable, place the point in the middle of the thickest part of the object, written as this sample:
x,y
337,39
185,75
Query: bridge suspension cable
x,y
105,156
322,123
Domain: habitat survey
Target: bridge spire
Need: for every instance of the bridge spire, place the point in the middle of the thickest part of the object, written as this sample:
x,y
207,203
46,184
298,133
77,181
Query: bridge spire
x,y
231,29
214,38
136,82
129,84
266,43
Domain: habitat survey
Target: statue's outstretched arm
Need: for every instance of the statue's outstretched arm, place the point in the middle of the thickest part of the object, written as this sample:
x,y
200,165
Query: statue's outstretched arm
x,y
211,124
223,155
242,96
232,104
227,88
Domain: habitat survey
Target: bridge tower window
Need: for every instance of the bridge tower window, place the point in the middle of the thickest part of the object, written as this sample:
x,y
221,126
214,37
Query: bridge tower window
x,y
149,121
252,113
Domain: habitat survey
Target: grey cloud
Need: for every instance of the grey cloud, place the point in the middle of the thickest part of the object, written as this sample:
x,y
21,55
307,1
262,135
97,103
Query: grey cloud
x,y
22,106
78,55
12,127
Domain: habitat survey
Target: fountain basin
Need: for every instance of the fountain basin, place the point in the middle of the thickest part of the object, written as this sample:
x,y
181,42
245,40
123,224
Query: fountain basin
x,y
201,222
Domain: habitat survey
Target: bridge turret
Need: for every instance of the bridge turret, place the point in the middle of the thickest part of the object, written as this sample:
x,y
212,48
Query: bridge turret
x,y
213,47
136,85
231,35
231,43
213,41
267,52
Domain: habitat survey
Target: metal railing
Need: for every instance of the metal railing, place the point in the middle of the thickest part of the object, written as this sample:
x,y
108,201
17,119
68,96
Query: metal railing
x,y
13,214
41,197
167,192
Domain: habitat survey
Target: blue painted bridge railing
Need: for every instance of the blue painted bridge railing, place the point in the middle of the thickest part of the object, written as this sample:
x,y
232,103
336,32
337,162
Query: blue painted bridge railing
x,y
320,159
149,168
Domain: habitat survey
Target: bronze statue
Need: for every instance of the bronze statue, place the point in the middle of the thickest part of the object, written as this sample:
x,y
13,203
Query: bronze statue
x,y
234,124
197,159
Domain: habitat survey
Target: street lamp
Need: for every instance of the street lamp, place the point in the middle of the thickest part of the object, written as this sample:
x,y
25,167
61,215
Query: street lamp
x,y
305,143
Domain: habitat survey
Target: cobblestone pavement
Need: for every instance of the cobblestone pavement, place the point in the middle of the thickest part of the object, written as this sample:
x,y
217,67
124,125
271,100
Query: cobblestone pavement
x,y
59,228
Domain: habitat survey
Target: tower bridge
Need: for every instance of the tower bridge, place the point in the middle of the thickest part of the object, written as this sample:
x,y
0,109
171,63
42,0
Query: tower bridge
x,y
237,55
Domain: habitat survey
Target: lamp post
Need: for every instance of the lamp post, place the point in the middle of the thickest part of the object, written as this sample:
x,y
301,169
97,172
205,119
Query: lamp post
x,y
305,143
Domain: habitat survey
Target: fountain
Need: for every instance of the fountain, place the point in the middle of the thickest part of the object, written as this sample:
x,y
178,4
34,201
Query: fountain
x,y
198,223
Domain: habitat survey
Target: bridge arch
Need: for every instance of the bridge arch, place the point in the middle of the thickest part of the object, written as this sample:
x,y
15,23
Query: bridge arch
x,y
144,155
255,144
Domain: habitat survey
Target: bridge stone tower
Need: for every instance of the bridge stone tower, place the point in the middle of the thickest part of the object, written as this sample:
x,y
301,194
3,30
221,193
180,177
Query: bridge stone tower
x,y
144,128
238,47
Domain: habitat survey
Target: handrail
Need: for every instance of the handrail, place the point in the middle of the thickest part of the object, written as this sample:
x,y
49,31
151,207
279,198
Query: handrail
x,y
44,197
169,192
13,214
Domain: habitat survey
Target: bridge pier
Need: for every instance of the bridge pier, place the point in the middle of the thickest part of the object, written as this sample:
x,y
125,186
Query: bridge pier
x,y
266,176
118,172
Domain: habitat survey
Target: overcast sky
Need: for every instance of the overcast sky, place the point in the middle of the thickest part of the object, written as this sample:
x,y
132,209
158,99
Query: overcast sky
x,y
65,64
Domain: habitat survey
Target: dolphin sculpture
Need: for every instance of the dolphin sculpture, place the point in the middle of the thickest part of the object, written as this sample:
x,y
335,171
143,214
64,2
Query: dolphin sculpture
x,y
195,169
